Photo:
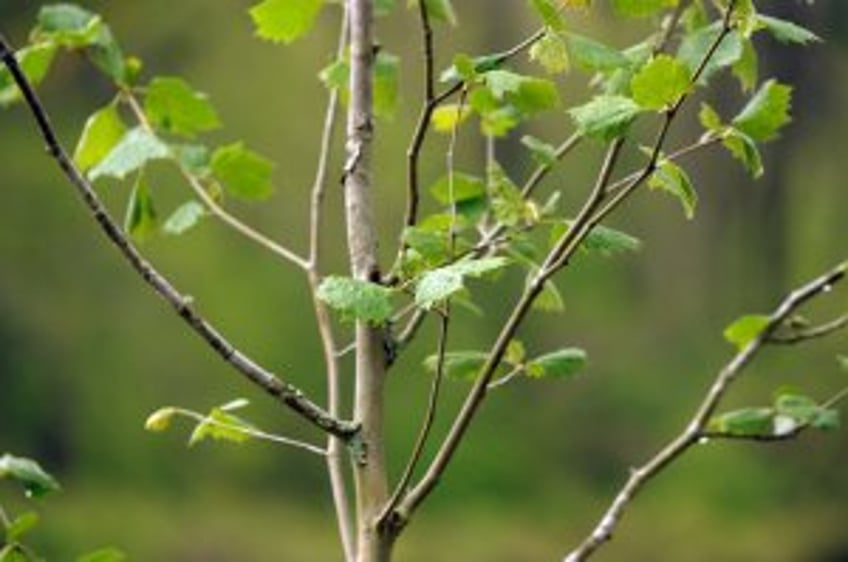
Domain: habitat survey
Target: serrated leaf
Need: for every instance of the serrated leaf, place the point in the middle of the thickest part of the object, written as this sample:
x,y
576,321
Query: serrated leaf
x,y
746,422
20,525
766,113
695,47
35,61
136,148
103,555
660,83
103,130
222,426
184,217
551,52
174,107
243,173
160,420
285,20
605,117
786,31
29,474
141,219
561,364
446,117
673,179
464,187
594,56
356,299
440,284
746,329
458,364
641,8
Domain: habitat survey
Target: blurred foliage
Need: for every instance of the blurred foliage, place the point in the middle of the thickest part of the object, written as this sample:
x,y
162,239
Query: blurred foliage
x,y
86,352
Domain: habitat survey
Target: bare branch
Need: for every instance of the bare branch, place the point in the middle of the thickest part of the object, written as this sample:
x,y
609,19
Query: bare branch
x,y
799,336
285,392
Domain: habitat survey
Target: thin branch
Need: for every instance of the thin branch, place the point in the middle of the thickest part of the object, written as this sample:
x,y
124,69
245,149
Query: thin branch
x,y
543,170
798,336
217,210
506,379
695,430
285,392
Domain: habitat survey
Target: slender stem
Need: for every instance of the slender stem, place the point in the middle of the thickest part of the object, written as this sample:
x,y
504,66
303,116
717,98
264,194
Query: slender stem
x,y
285,392
696,428
819,331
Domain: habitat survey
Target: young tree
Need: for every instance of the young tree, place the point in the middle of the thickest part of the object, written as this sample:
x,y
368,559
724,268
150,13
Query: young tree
x,y
485,223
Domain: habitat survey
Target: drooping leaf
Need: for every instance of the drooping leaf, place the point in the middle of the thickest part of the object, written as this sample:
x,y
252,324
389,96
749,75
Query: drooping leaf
x,y
356,299
605,117
744,149
673,179
440,284
141,219
29,474
458,364
787,31
746,329
695,47
285,20
550,299
136,148
766,113
243,173
103,130
35,61
561,364
174,107
184,218
660,83
108,554
508,205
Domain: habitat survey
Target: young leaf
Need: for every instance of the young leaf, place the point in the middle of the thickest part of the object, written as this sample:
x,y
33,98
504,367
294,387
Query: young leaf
x,y
746,69
446,117
605,117
160,420
185,217
550,299
103,555
464,188
136,148
787,31
20,526
561,364
102,131
438,285
515,353
660,83
550,13
441,10
696,46
744,149
222,426
27,472
803,409
35,61
458,364
766,113
67,25
141,220
356,299
710,119
593,56
542,152
173,106
746,422
243,173
285,20
746,329
551,52
673,179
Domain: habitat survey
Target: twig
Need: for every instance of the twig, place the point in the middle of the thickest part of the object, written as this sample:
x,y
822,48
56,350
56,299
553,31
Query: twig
x,y
819,331
695,429
506,379
285,392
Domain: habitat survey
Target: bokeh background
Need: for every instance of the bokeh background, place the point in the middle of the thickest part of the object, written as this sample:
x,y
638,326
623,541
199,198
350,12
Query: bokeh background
x,y
87,351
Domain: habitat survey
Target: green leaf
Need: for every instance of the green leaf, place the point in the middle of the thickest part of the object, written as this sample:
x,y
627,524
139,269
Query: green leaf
x,y
27,472
606,241
67,25
641,8
593,56
141,220
243,173
384,7
173,106
386,71
185,217
285,20
542,152
551,52
766,113
744,149
803,409
746,422
194,159
746,329
605,117
843,362
787,31
550,299
500,82
136,148
440,284
746,69
222,426
356,299
673,179
465,187
550,13
160,420
336,75
14,553
480,65
508,205
21,525
35,61
827,420
103,130
458,364
441,10
660,83
446,117
710,119
103,555
695,46
561,364
515,353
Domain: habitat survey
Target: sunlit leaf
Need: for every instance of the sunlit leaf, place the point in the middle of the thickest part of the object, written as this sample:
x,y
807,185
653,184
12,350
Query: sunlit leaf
x,y
136,148
673,179
561,364
446,117
438,285
766,113
746,329
160,420
173,106
551,52
355,299
35,61
660,83
222,426
746,422
184,217
605,117
243,173
103,130
458,364
285,20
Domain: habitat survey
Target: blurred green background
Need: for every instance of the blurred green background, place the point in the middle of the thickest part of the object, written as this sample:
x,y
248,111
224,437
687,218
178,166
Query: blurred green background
x,y
87,351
